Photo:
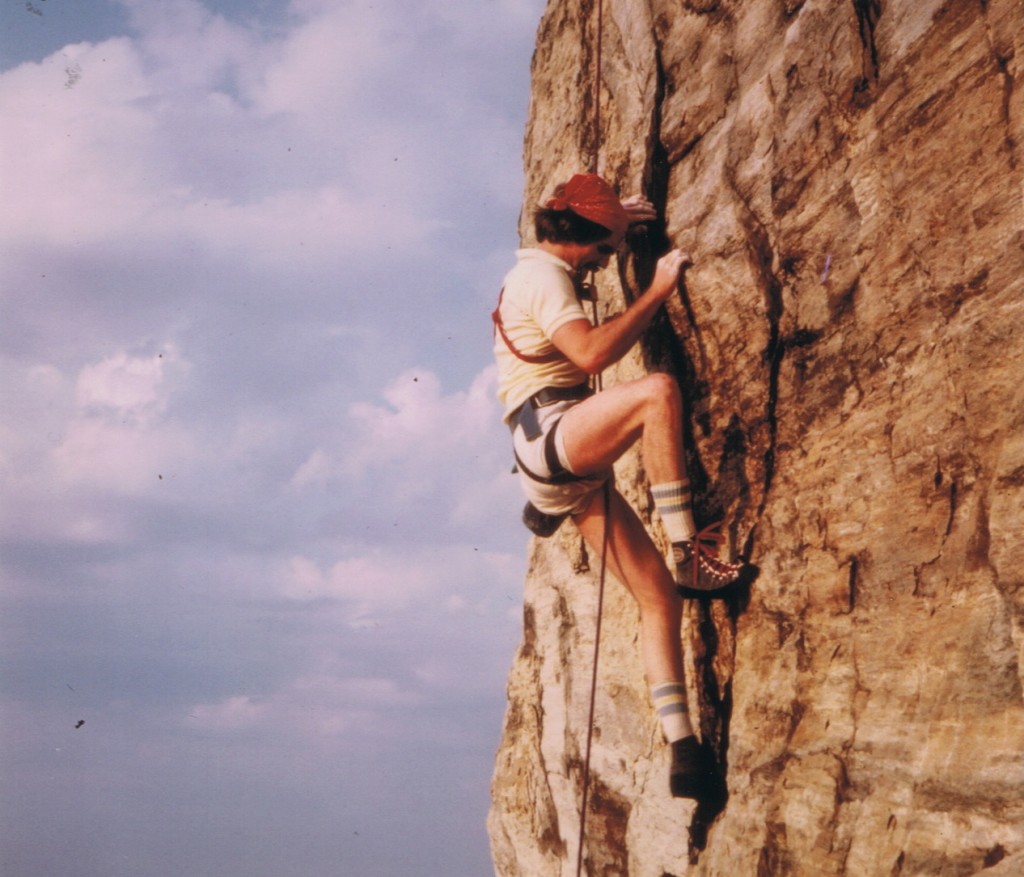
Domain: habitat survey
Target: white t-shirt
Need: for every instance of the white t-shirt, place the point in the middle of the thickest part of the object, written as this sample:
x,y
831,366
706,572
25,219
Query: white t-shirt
x,y
538,299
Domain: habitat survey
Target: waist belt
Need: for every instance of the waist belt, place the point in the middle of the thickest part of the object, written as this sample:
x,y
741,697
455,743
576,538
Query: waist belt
x,y
560,394
548,396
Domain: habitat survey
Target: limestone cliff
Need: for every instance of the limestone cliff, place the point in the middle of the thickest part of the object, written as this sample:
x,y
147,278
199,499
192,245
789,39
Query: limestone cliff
x,y
848,176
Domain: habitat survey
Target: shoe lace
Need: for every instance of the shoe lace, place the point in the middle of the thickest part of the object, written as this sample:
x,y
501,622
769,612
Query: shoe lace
x,y
706,545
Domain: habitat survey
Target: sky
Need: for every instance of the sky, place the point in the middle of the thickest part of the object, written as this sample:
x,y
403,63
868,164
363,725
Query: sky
x,y
261,564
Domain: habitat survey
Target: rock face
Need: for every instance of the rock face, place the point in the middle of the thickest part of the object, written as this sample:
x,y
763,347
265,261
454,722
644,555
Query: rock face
x,y
849,178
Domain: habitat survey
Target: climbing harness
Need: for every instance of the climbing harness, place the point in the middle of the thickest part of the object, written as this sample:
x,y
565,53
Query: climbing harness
x,y
525,416
499,327
542,524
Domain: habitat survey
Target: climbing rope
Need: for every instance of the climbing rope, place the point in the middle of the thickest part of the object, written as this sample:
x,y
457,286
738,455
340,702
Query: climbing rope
x,y
596,151
585,796
593,681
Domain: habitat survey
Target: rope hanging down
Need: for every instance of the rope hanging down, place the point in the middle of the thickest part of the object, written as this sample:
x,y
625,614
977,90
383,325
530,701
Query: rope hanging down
x,y
596,150
593,682
585,796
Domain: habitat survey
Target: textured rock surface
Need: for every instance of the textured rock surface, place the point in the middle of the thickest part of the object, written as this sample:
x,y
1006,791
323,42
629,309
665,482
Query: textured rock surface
x,y
849,178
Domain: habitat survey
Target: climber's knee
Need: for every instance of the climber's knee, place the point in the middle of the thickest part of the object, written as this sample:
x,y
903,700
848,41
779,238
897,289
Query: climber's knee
x,y
662,392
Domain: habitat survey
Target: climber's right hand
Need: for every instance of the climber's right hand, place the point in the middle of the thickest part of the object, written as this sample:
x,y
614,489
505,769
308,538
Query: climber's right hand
x,y
667,272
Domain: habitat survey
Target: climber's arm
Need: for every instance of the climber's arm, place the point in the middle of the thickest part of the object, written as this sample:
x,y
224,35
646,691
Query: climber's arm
x,y
594,348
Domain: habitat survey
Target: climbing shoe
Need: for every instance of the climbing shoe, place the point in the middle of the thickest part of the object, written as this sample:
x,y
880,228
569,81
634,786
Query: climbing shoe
x,y
700,572
694,772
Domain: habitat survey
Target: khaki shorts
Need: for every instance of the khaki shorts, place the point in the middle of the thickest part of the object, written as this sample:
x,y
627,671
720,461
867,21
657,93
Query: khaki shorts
x,y
570,497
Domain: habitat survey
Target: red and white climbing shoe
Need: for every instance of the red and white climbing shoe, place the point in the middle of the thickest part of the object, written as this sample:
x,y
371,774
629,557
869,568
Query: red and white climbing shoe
x,y
700,572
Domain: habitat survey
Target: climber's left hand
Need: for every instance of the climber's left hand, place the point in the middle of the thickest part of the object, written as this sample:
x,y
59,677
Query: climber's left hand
x,y
639,209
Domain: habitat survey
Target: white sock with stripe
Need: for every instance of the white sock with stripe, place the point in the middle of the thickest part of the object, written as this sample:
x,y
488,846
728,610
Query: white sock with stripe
x,y
670,704
675,507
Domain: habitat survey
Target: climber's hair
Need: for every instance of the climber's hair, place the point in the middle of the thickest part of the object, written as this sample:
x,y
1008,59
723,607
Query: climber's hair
x,y
566,227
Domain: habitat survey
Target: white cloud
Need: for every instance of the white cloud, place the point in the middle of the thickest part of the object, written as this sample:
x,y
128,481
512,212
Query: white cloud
x,y
380,583
501,490
428,434
292,227
139,141
118,437
35,400
315,710
370,581
71,152
119,457
192,48
326,60
231,714
439,463
107,429
129,387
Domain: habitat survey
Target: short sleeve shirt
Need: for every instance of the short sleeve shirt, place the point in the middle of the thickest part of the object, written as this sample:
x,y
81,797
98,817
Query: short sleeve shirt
x,y
538,298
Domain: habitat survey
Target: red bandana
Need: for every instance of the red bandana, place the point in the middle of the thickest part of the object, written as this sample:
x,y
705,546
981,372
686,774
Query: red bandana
x,y
589,196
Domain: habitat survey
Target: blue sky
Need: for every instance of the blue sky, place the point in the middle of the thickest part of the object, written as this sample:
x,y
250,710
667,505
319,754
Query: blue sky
x,y
261,566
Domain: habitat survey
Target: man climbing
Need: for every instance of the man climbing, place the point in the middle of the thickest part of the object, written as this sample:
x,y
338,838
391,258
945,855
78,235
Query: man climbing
x,y
566,437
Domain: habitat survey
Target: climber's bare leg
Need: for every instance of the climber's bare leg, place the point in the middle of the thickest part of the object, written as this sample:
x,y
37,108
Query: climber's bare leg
x,y
602,428
635,560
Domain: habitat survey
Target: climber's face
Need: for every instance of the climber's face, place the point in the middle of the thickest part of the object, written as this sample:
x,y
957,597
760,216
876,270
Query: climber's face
x,y
599,254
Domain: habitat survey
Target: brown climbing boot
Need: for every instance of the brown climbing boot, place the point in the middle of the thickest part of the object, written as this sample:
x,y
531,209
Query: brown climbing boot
x,y
700,572
694,772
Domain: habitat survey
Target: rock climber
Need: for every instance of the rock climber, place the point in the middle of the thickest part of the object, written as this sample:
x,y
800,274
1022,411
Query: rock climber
x,y
566,437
